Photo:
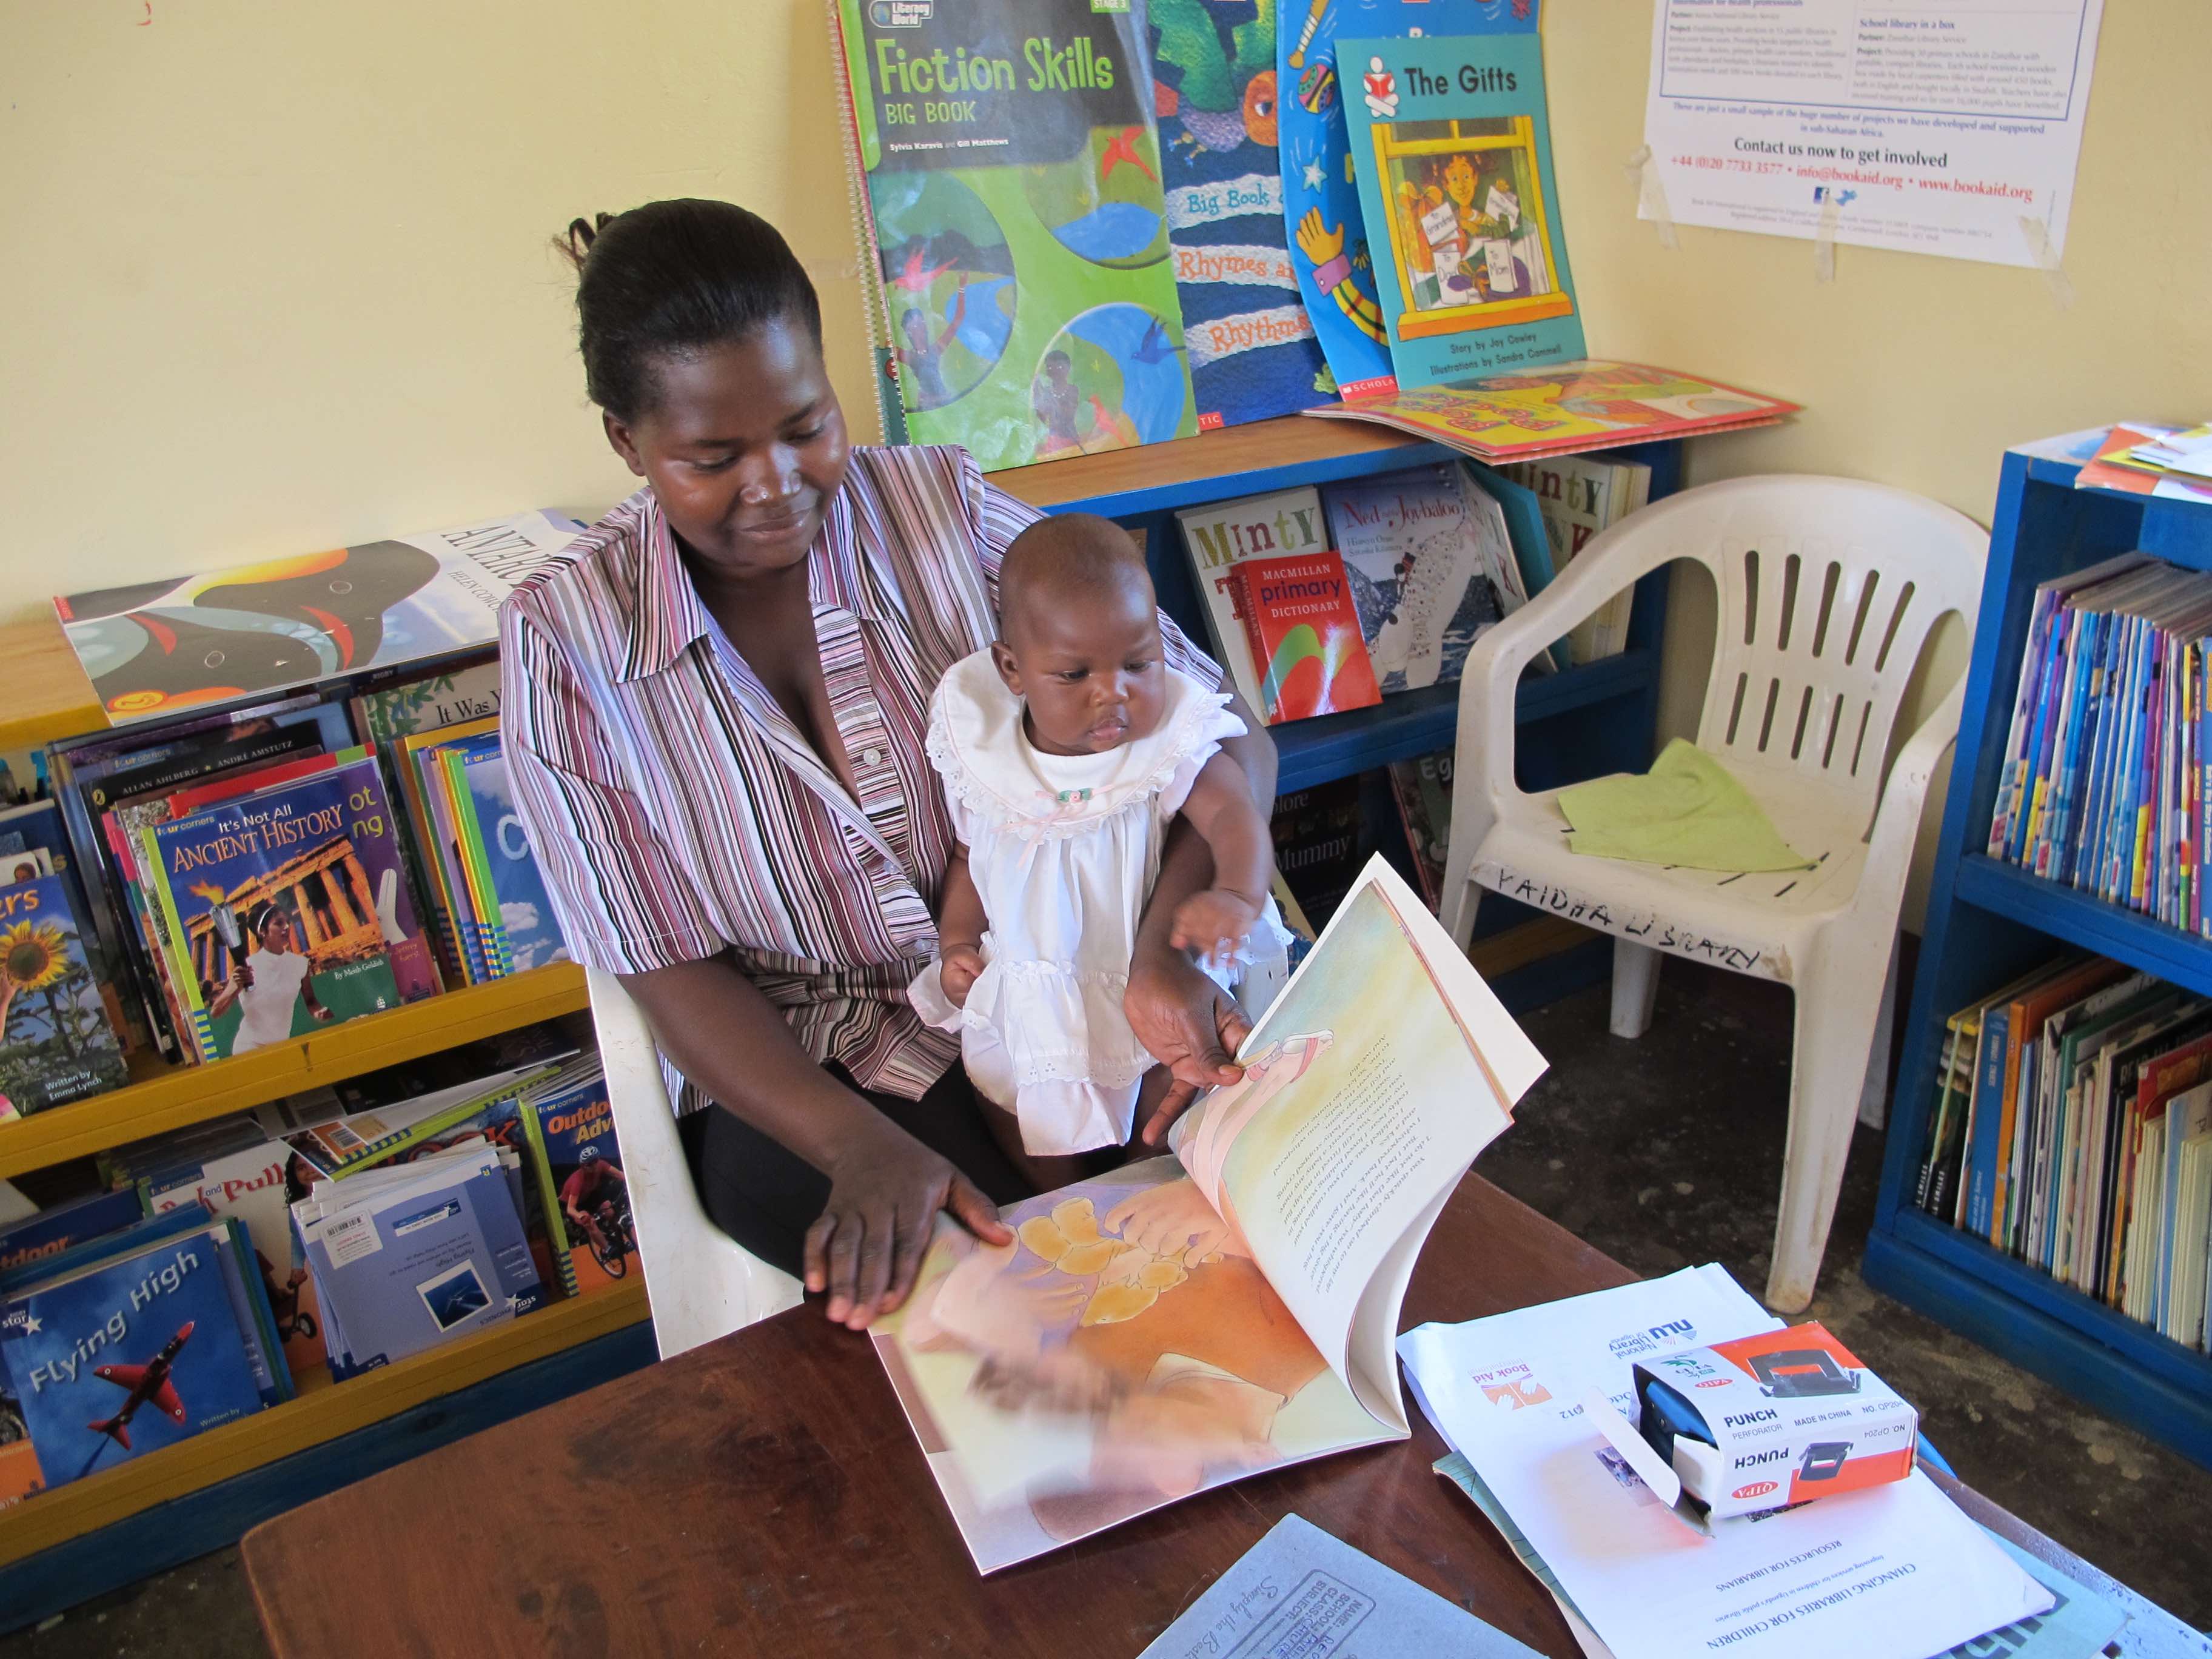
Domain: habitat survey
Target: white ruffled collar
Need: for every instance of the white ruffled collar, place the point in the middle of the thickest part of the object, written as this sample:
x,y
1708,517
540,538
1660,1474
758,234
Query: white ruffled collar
x,y
976,741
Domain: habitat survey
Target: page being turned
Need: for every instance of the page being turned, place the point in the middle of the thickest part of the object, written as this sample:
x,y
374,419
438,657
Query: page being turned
x,y
1380,1071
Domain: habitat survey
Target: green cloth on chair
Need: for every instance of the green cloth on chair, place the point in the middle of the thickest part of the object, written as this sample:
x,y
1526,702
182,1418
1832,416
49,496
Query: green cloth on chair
x,y
1686,811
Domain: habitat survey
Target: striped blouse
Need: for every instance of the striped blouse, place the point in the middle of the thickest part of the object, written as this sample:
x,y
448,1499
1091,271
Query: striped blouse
x,y
677,810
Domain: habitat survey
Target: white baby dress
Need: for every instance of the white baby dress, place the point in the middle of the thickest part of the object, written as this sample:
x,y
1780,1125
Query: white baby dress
x,y
1063,850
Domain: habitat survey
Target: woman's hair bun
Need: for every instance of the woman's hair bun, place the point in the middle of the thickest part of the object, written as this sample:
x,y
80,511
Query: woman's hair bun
x,y
577,242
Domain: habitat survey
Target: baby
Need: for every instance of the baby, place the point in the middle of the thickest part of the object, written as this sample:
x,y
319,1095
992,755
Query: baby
x,y
1067,748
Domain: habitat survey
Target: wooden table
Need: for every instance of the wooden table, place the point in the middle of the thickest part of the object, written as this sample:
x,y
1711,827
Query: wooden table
x,y
763,1495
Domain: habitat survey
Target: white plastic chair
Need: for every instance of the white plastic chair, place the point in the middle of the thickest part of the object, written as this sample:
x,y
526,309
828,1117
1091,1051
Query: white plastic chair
x,y
702,1284
1828,590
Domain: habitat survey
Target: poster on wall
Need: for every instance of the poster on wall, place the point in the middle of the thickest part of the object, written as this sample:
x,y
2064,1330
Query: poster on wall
x,y
1948,126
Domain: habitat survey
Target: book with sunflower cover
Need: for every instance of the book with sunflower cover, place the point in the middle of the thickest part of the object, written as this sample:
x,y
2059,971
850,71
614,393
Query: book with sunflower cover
x,y
56,1042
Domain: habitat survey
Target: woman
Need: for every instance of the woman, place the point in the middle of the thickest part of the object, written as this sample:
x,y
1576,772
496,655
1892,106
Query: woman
x,y
714,715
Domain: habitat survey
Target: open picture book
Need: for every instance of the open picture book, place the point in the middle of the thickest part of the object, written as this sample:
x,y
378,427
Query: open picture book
x,y
1189,1320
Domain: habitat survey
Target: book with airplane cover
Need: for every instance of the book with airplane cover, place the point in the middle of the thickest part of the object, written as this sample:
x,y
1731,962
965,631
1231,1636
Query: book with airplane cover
x,y
1432,566
1452,149
1013,195
578,1165
1304,633
135,1342
1527,413
1222,535
56,1042
1329,252
1245,331
285,910
156,648
1193,1319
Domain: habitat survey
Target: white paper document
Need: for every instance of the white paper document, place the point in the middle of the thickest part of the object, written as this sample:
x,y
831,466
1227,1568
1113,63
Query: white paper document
x,y
1930,126
1892,1573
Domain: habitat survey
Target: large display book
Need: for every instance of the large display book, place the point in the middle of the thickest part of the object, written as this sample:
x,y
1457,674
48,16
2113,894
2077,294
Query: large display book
x,y
137,1341
1193,1319
1452,148
1330,252
162,648
1249,341
285,909
1014,196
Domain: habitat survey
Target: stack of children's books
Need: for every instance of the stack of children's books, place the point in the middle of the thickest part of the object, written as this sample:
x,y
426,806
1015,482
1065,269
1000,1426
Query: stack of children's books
x,y
2144,459
2072,1128
2102,785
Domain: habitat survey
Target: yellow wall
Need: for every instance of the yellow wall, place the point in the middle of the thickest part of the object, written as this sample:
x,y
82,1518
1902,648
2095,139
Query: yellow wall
x,y
276,277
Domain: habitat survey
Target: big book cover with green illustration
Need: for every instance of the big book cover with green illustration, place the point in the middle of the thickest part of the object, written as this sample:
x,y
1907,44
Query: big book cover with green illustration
x,y
1009,150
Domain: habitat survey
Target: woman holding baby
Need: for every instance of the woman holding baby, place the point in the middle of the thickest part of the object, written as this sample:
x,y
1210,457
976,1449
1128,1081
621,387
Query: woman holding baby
x,y
834,819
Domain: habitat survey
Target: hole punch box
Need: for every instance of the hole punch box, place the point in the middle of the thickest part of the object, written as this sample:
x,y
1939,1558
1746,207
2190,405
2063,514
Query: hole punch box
x,y
1773,1419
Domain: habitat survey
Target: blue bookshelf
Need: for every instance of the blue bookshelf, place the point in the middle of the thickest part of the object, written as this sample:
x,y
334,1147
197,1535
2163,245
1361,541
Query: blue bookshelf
x,y
1988,922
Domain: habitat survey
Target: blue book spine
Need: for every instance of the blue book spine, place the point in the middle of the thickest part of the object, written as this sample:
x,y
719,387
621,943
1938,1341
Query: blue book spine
x,y
2078,768
2054,662
2023,720
1989,1115
2128,794
2098,848
2064,738
2082,848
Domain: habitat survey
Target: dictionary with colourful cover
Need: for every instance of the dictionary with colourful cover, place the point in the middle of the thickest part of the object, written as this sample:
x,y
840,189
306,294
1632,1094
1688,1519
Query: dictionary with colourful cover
x,y
1328,248
285,910
1014,198
1304,633
1250,342
1453,152
157,647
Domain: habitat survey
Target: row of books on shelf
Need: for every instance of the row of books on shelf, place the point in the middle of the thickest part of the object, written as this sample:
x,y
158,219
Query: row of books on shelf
x,y
1325,599
228,881
218,1271
2103,782
2072,1129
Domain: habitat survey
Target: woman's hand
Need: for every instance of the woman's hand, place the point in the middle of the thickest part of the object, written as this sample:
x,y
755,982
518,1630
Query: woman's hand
x,y
1190,1024
885,1189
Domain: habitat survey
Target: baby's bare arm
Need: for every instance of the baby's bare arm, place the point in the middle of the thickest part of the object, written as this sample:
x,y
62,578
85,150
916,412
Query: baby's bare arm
x,y
1217,922
1221,809
960,925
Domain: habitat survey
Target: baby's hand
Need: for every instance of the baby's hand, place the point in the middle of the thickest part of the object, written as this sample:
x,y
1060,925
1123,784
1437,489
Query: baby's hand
x,y
958,968
1214,923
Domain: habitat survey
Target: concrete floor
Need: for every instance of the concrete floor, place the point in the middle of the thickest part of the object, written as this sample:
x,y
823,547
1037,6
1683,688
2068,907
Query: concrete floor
x,y
1663,1154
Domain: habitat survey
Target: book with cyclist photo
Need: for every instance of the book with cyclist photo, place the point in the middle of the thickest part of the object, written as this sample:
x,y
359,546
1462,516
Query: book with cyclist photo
x,y
578,1165
1179,1323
